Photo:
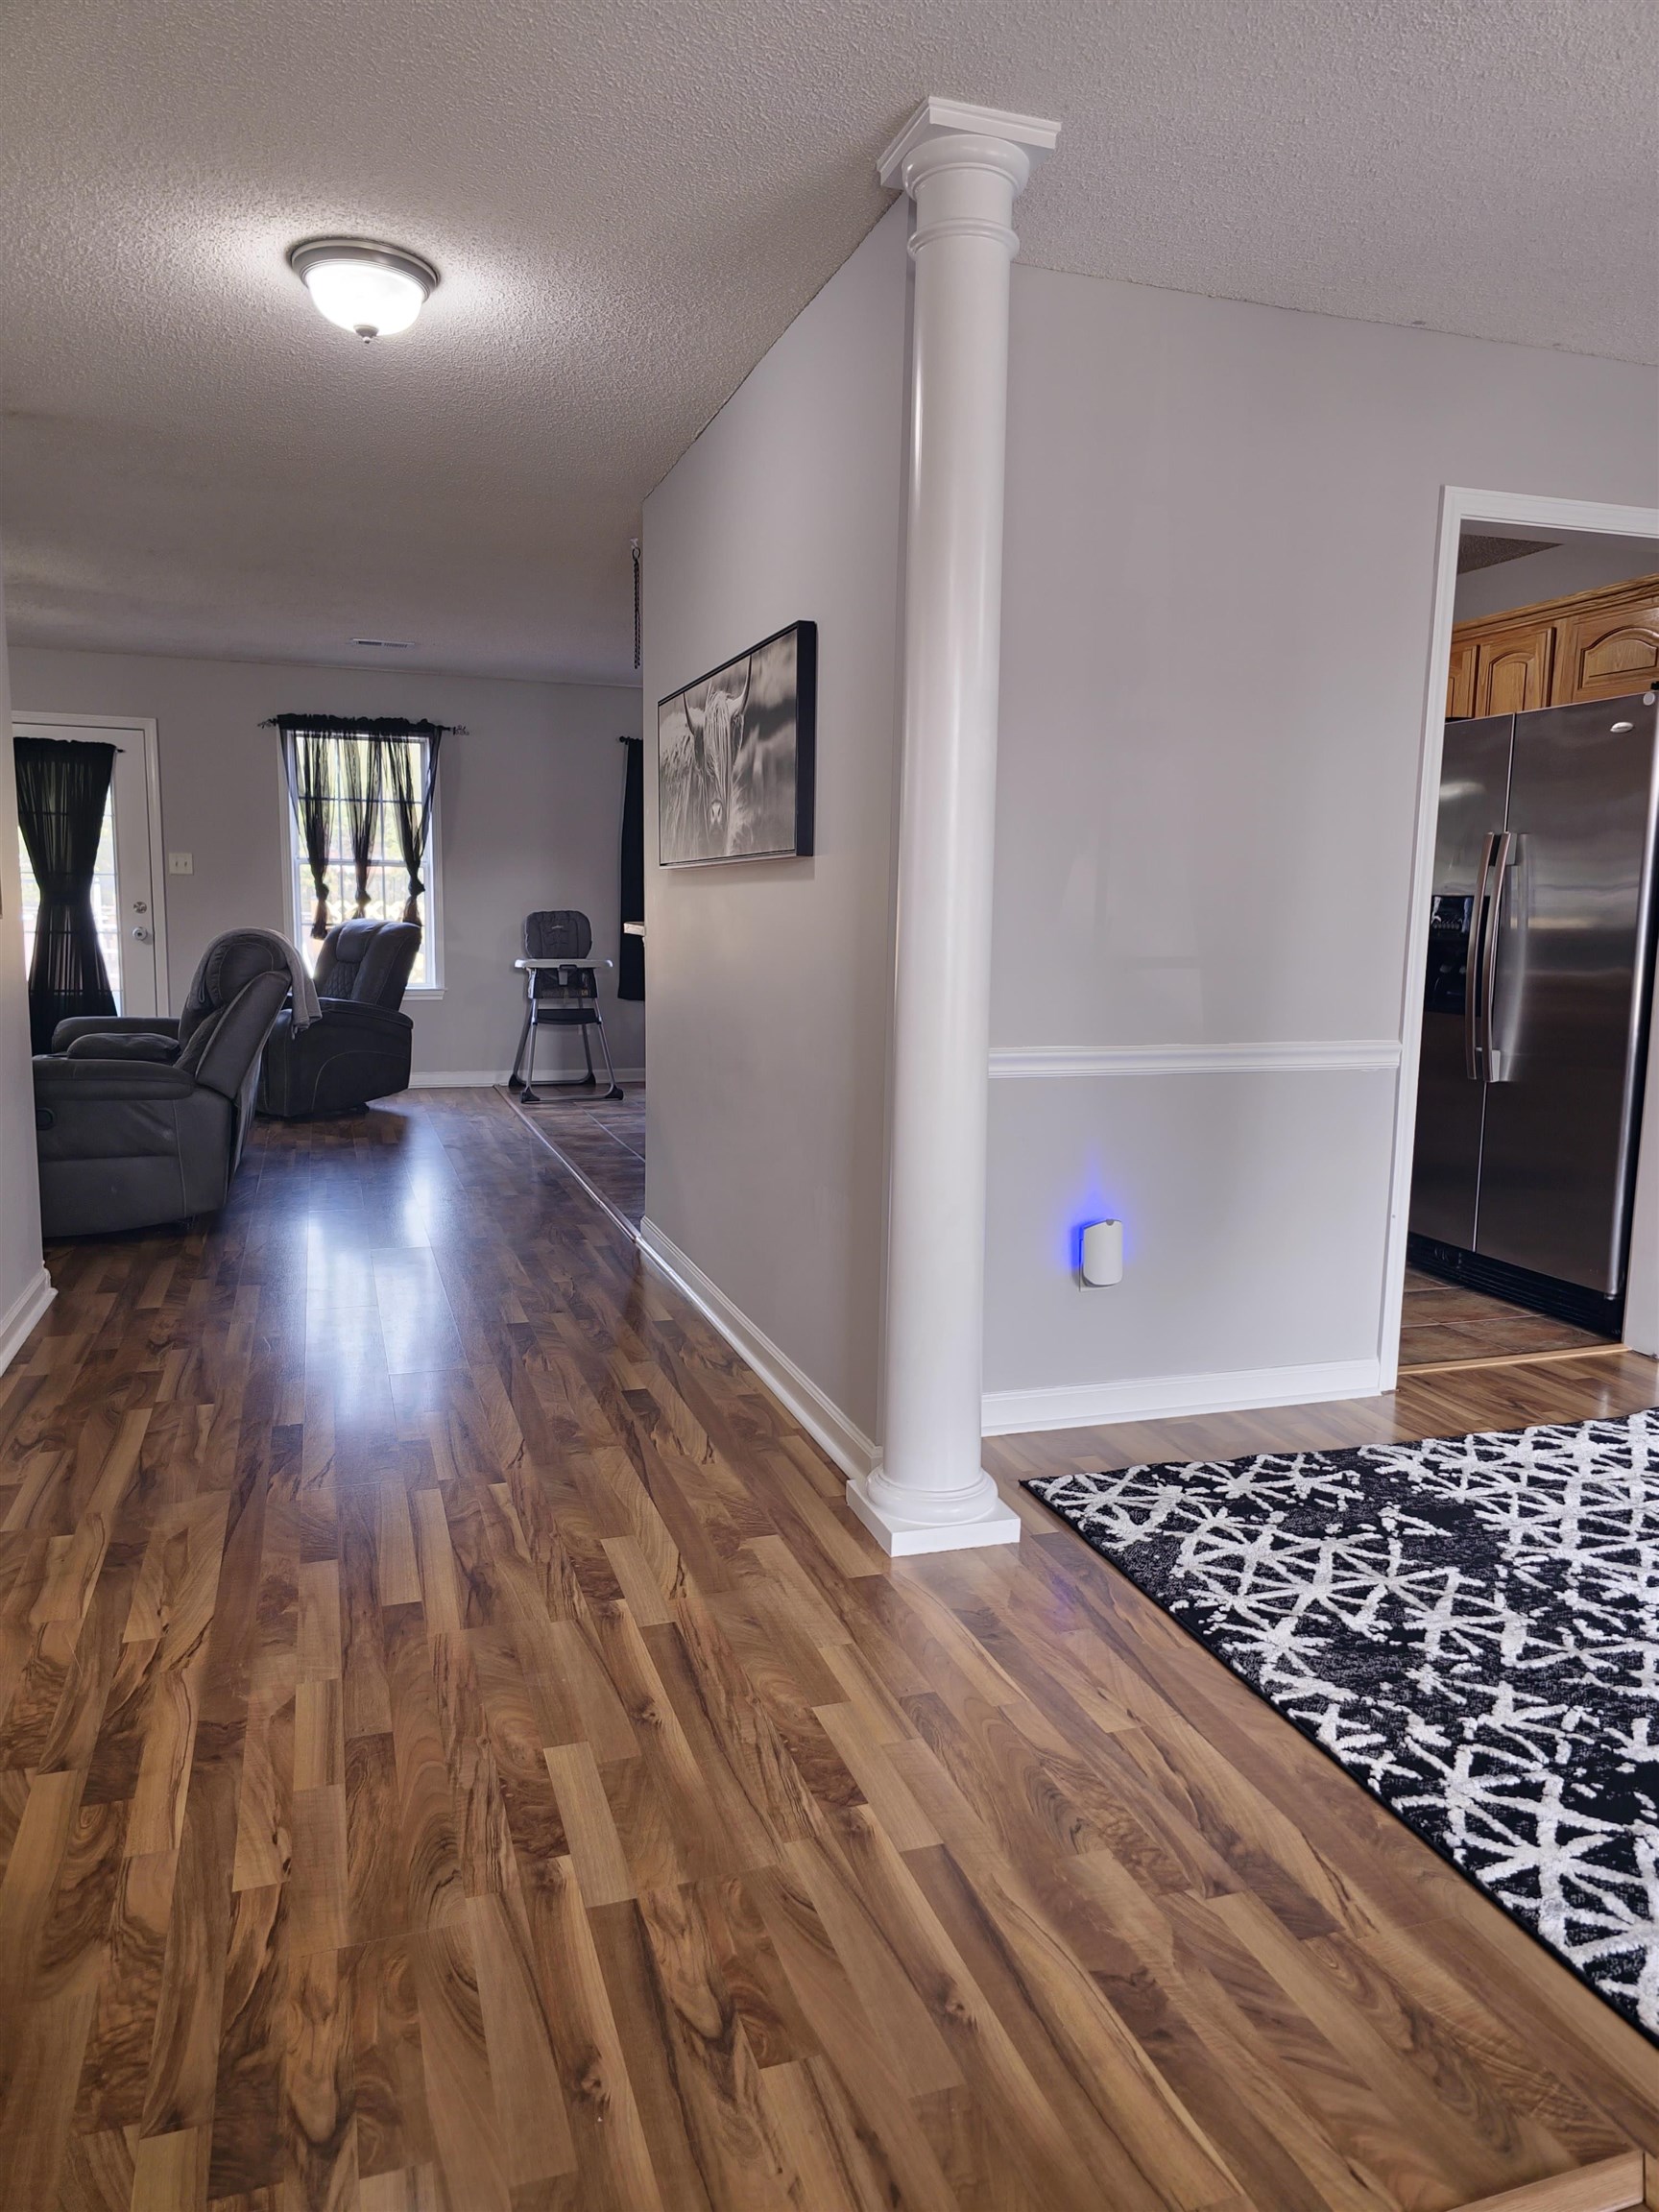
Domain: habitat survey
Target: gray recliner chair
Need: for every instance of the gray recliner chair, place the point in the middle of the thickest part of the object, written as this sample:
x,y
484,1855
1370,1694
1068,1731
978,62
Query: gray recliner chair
x,y
361,1047
140,1119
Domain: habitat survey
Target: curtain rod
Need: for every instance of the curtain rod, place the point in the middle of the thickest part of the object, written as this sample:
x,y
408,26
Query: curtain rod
x,y
363,726
26,739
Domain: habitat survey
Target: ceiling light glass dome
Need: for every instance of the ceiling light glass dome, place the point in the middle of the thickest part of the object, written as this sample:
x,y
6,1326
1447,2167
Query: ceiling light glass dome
x,y
372,290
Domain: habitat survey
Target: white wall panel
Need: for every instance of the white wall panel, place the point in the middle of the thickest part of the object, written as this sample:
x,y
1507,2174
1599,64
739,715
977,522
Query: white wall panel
x,y
1218,591
772,980
1254,1205
24,1288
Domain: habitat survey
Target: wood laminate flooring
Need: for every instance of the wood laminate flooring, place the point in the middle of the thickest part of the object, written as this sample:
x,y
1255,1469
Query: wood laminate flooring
x,y
603,1140
1444,1323
457,1752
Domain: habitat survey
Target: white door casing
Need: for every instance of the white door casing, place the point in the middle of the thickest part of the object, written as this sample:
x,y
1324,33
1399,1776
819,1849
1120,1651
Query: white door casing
x,y
1460,504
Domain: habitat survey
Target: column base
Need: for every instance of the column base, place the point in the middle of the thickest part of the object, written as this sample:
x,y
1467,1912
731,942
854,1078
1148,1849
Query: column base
x,y
998,1524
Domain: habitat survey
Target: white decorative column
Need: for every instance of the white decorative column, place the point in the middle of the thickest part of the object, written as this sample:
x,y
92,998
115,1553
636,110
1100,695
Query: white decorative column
x,y
962,167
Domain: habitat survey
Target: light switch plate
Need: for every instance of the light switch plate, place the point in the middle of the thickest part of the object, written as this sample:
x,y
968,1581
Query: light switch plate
x,y
180,863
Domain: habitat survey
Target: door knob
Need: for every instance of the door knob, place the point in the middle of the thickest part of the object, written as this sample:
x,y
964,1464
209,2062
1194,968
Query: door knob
x,y
142,935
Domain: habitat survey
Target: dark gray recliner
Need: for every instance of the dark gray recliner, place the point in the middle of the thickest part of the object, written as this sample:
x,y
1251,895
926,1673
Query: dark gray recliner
x,y
361,1047
140,1119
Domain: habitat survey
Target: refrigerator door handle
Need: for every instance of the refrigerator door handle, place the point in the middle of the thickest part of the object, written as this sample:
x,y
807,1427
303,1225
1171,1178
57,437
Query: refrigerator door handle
x,y
1501,849
1474,961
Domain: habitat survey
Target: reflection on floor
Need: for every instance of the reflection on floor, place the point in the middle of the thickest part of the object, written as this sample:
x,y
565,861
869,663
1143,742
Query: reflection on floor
x,y
1443,1323
601,1140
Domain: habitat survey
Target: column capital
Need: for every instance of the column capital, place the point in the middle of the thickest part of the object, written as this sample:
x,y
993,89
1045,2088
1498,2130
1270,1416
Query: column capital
x,y
1031,137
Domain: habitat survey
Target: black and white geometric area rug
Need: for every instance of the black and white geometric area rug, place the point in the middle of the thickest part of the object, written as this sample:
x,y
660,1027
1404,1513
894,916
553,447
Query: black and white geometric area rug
x,y
1470,1627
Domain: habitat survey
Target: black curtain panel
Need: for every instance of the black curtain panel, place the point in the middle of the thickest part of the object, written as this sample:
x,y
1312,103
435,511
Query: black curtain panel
x,y
411,806
630,960
360,779
309,756
389,773
62,791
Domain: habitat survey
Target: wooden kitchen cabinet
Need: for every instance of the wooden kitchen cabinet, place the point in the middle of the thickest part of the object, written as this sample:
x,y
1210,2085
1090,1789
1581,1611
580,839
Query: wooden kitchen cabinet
x,y
1600,644
1460,681
1512,668
1608,652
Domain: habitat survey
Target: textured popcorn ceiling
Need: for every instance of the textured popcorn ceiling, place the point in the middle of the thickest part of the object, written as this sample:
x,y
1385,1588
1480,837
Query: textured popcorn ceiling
x,y
1476,552
628,203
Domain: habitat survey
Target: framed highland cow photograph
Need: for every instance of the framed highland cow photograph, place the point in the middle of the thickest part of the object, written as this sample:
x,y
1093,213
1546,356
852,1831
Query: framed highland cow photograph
x,y
735,756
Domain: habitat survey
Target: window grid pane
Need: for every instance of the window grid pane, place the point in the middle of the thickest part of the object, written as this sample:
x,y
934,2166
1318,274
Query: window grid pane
x,y
388,885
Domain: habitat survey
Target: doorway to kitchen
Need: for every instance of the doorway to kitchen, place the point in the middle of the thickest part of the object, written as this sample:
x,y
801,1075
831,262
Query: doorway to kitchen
x,y
1525,1220
127,902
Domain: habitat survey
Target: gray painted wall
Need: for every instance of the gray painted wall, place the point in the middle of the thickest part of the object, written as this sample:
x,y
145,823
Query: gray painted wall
x,y
1219,578
529,811
1219,572
1578,563
772,980
19,1185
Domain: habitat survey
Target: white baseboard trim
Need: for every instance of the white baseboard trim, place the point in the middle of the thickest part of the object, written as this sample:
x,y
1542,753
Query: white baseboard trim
x,y
456,1078
21,1315
1167,1397
487,1079
1317,1056
847,1444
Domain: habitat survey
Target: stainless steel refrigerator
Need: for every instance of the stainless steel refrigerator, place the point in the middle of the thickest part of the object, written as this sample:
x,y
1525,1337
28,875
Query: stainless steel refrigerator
x,y
1535,1009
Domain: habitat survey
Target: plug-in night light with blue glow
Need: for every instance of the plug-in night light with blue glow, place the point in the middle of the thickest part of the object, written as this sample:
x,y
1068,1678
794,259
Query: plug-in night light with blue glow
x,y
1102,1253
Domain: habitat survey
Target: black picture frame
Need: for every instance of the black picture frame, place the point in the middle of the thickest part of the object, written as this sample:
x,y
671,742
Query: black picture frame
x,y
747,794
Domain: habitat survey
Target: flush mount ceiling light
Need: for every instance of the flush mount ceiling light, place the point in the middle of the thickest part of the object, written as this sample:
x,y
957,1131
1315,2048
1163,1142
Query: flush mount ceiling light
x,y
372,290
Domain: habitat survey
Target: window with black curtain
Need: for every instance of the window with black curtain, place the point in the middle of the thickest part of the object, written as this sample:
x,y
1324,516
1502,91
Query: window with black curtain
x,y
362,841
